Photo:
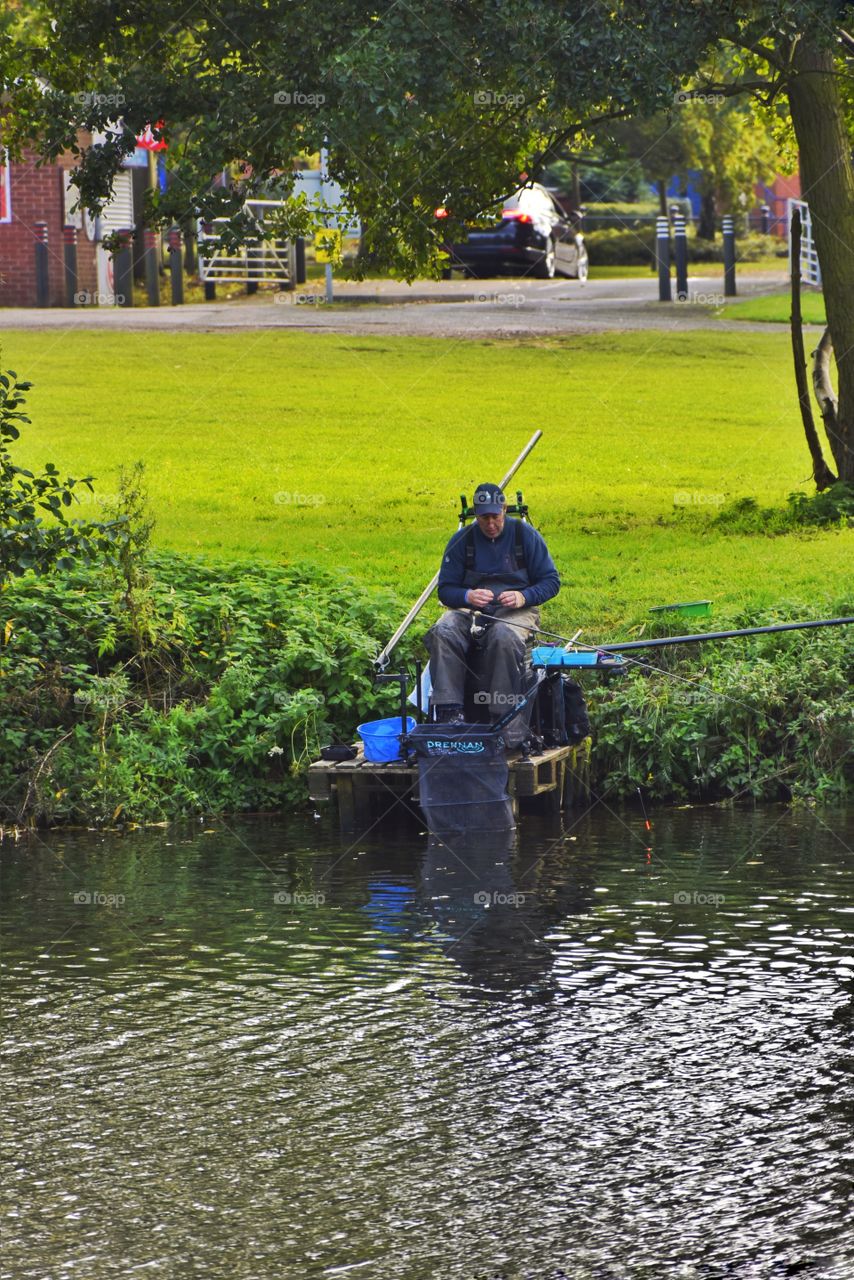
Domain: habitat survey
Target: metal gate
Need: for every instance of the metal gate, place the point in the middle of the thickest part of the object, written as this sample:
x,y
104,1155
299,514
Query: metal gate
x,y
262,257
810,269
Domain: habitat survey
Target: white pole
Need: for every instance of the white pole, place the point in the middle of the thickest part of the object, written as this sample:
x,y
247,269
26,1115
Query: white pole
x,y
324,178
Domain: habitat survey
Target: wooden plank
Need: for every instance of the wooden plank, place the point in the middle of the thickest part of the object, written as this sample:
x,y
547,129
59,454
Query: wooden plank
x,y
561,773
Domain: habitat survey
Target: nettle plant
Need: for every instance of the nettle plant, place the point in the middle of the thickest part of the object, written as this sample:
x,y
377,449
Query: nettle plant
x,y
35,531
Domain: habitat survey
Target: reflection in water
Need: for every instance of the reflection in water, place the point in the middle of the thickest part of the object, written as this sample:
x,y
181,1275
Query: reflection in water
x,y
494,906
254,1052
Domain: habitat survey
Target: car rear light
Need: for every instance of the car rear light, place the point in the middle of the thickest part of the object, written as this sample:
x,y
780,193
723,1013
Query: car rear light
x,y
516,215
441,212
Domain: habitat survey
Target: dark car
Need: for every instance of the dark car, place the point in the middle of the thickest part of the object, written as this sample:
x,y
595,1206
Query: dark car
x,y
534,237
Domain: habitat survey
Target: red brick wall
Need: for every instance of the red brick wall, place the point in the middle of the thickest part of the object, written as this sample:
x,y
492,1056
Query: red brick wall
x,y
36,195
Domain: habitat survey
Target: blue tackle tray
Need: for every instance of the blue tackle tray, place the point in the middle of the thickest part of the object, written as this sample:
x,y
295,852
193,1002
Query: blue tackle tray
x,y
550,656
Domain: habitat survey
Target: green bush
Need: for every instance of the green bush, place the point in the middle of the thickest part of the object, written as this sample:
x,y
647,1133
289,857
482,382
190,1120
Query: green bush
x,y
621,248
636,247
765,718
835,506
206,689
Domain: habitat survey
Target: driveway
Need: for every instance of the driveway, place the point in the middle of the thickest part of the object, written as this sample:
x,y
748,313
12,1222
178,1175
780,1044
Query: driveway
x,y
502,307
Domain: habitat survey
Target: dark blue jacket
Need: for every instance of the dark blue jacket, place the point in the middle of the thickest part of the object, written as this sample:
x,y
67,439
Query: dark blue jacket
x,y
495,566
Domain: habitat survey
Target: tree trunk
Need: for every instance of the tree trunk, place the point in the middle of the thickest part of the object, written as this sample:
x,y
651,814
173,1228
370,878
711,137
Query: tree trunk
x,y
827,184
822,474
662,198
707,222
822,384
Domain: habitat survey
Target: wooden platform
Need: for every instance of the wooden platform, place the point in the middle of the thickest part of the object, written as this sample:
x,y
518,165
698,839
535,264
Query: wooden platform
x,y
558,777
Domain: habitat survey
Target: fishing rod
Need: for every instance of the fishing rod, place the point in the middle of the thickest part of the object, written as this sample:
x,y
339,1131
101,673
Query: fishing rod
x,y
616,649
381,662
668,640
722,635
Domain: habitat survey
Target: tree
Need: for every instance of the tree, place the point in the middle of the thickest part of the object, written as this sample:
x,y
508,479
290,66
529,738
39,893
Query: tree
x,y
427,106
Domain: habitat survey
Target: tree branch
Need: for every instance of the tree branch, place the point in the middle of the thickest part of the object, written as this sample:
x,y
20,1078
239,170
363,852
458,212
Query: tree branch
x,y
558,139
731,90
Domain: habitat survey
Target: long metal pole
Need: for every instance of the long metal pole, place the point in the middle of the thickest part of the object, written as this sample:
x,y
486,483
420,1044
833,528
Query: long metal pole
x,y
720,635
382,660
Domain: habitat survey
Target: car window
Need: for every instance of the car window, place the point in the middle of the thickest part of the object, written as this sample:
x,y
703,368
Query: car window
x,y
532,200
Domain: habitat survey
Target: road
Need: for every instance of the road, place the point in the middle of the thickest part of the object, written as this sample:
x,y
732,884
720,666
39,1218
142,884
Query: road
x,y
501,307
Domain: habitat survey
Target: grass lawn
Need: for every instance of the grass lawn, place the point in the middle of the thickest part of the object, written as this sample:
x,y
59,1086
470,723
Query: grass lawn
x,y
761,266
352,452
776,308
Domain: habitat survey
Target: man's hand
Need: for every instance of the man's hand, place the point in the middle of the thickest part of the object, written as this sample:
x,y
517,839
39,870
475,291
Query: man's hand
x,y
512,600
479,597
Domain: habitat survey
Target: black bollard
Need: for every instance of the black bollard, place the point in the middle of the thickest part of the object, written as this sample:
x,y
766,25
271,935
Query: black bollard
x,y
680,252
190,246
152,267
729,258
662,257
765,211
123,268
254,266
300,259
176,271
42,281
210,285
69,257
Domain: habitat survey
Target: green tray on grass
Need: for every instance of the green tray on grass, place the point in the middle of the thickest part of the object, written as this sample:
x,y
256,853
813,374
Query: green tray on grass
x,y
693,609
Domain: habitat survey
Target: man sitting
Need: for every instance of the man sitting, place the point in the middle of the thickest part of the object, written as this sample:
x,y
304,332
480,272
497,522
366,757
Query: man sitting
x,y
502,568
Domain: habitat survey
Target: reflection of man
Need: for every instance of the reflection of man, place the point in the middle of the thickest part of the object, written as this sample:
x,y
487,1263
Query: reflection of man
x,y
501,567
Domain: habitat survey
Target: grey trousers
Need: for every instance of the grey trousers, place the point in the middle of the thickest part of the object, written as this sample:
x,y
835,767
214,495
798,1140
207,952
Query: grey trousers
x,y
449,643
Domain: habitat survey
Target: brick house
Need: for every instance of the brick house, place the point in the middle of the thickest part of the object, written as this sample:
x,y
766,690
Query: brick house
x,y
31,194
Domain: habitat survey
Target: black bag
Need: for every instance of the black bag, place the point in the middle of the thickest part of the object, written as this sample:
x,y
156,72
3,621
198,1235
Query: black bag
x,y
561,712
576,719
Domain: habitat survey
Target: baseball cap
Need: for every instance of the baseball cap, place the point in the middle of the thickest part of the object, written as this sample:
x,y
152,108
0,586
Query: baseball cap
x,y
488,500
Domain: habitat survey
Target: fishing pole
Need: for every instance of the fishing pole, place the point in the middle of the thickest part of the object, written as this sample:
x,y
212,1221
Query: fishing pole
x,y
667,640
381,662
721,635
626,645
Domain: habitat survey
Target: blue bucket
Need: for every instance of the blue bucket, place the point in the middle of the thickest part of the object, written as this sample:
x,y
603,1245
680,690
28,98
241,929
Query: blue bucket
x,y
382,739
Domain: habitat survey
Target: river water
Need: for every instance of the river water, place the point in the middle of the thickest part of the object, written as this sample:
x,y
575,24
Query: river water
x,y
254,1050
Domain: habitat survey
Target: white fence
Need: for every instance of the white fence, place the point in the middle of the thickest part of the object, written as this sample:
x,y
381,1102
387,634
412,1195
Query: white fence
x,y
262,257
810,269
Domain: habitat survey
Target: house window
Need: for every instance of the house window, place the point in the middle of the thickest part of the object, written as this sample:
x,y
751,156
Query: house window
x,y
5,196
